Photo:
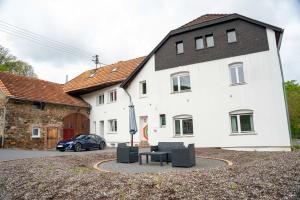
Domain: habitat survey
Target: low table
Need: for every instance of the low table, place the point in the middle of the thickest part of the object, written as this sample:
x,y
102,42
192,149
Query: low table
x,y
160,154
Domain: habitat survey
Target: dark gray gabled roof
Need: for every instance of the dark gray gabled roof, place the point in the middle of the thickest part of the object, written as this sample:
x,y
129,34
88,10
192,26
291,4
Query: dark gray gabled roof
x,y
203,23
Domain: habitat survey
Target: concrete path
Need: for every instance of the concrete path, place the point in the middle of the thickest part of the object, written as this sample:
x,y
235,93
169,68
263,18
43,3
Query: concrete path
x,y
12,154
154,167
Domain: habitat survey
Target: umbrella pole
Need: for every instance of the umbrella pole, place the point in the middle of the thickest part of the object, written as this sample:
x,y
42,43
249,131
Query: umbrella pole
x,y
131,140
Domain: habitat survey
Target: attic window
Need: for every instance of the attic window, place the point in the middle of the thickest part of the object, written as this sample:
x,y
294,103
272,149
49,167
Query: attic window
x,y
92,74
114,70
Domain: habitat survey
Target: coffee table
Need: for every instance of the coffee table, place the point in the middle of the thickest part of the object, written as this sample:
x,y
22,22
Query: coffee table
x,y
147,154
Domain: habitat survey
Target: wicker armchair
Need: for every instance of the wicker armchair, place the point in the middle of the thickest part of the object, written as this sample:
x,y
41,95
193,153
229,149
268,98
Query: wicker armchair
x,y
184,157
126,154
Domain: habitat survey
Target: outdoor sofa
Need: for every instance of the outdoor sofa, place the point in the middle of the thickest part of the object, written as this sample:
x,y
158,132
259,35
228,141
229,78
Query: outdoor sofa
x,y
127,154
165,147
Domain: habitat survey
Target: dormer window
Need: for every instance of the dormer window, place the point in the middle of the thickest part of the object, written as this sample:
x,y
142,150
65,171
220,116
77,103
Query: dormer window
x,y
209,40
179,47
199,43
231,36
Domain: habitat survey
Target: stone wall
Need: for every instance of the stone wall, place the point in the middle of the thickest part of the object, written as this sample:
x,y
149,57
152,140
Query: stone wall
x,y
21,117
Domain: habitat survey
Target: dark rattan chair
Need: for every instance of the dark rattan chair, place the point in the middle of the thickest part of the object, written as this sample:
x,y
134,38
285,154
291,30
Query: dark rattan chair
x,y
127,154
184,157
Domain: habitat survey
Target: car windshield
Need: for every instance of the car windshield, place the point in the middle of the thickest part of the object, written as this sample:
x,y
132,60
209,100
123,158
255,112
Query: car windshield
x,y
80,137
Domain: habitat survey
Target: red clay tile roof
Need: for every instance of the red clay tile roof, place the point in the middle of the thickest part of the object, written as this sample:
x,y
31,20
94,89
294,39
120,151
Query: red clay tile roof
x,y
32,89
109,74
203,18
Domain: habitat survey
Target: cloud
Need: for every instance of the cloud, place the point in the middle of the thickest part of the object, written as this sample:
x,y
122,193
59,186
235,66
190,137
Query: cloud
x,y
119,30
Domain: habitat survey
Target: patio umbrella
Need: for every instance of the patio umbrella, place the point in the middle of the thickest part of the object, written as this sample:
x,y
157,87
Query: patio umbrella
x,y
132,122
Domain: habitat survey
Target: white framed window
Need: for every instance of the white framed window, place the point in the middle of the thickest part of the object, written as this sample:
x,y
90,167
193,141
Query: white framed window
x,y
36,132
179,47
95,127
237,73
209,40
199,43
241,121
180,82
112,96
112,126
231,36
183,125
162,120
143,89
100,99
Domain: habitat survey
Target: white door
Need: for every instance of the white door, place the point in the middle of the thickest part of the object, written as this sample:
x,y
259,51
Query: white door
x,y
101,128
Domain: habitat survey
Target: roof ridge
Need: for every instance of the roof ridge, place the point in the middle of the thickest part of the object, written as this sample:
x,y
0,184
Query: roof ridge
x,y
204,16
28,77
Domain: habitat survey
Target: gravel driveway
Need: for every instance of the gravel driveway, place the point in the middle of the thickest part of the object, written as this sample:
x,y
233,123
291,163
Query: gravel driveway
x,y
12,154
254,175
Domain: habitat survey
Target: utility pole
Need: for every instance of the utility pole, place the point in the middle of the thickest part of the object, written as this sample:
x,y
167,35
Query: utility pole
x,y
96,60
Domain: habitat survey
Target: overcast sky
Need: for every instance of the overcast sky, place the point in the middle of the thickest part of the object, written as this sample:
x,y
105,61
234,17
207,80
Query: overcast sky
x,y
120,30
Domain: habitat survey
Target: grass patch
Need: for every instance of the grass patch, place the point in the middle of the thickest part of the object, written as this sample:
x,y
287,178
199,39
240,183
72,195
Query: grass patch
x,y
80,170
296,147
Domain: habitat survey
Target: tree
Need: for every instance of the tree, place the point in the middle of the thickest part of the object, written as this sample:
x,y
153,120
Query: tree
x,y
293,98
9,63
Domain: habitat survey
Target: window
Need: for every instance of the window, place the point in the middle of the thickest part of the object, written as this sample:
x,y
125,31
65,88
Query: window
x,y
100,99
241,121
199,43
113,126
38,105
231,36
237,73
143,88
183,125
209,40
162,120
36,132
181,82
95,126
112,96
179,47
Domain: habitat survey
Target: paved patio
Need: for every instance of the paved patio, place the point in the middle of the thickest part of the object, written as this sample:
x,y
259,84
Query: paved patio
x,y
154,167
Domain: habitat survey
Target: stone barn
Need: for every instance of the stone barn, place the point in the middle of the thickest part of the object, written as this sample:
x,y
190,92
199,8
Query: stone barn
x,y
35,114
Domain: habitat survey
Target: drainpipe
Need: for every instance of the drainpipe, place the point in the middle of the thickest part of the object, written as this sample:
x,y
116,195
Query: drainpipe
x,y
284,91
130,102
4,121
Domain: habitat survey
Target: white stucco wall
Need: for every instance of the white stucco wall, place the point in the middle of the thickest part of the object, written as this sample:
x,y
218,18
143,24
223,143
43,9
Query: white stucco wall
x,y
209,102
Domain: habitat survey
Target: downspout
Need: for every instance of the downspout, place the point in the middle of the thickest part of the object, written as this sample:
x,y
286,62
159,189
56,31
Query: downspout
x,y
284,91
130,102
4,121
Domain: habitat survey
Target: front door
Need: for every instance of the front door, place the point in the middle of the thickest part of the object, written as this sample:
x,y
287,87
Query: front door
x,y
52,135
144,128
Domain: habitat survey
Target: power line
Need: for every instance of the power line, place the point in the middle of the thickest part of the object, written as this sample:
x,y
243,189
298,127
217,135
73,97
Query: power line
x,y
39,36
39,43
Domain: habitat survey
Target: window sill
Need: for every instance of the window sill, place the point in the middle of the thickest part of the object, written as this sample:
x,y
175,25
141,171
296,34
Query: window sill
x,y
236,84
112,132
242,133
179,53
182,136
111,102
183,91
232,42
35,137
142,97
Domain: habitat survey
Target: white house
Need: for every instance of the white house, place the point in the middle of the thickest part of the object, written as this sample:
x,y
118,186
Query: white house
x,y
216,81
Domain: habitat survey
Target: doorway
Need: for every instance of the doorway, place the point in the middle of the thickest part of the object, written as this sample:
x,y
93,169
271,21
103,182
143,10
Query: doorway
x,y
52,136
101,128
144,133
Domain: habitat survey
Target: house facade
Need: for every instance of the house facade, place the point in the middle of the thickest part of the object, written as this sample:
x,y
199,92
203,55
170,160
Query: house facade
x,y
35,114
216,82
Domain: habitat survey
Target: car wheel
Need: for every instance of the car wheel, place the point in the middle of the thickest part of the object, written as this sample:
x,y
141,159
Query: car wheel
x,y
61,150
77,147
101,145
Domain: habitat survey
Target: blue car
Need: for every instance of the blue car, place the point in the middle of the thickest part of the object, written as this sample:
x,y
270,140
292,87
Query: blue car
x,y
83,141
